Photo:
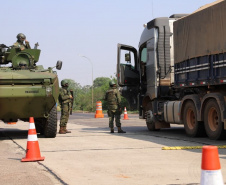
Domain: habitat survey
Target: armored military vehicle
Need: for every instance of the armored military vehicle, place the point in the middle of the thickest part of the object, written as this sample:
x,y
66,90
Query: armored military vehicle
x,y
28,90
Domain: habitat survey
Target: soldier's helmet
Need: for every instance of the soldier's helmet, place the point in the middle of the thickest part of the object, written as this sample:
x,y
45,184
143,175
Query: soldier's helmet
x,y
64,83
21,37
112,82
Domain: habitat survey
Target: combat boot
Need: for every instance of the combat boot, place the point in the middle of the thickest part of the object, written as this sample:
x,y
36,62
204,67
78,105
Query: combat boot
x,y
66,131
62,131
120,130
112,130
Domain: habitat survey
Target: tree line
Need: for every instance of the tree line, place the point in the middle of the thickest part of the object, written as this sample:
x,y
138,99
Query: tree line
x,y
83,94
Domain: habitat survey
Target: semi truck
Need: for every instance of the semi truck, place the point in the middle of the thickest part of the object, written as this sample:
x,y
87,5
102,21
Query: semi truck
x,y
178,73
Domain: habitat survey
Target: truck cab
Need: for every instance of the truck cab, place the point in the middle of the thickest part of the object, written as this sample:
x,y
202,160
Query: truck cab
x,y
147,75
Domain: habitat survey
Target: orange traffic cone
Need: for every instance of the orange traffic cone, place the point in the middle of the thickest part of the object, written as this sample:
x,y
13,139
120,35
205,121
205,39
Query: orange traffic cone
x,y
99,113
211,168
125,114
33,151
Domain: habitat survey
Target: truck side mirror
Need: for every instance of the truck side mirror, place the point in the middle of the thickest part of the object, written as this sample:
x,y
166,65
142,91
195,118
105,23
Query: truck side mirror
x,y
128,57
59,65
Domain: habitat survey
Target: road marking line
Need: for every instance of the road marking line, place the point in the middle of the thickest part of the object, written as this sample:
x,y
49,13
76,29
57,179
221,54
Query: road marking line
x,y
188,147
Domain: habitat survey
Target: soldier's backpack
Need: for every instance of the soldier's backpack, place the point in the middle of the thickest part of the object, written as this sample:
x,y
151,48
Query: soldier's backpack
x,y
112,97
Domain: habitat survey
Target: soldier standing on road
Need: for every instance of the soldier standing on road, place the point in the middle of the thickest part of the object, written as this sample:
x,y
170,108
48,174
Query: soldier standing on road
x,y
20,42
113,99
65,101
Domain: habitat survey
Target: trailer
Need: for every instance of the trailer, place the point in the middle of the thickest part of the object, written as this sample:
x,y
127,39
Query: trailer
x,y
178,73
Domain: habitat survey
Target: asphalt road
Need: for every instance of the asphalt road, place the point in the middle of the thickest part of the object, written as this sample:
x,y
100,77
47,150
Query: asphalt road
x,y
91,155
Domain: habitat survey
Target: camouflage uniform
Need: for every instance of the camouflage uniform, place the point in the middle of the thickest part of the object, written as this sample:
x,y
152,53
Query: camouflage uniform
x,y
65,102
20,42
65,106
113,99
21,45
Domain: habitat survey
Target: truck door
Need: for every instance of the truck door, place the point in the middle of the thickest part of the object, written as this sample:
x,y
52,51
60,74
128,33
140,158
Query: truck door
x,y
152,68
128,75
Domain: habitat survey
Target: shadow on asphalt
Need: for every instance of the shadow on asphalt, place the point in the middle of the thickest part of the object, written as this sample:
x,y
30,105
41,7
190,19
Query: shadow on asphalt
x,y
88,115
169,137
8,133
135,128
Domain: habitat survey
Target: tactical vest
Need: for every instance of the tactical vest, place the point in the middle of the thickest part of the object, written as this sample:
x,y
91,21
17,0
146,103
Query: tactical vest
x,y
63,92
112,99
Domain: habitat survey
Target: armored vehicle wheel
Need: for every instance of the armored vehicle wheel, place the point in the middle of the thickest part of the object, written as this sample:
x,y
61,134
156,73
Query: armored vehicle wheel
x,y
39,126
50,127
192,127
47,127
150,121
212,120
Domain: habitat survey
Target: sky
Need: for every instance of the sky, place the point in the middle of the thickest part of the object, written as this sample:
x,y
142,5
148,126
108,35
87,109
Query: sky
x,y
69,29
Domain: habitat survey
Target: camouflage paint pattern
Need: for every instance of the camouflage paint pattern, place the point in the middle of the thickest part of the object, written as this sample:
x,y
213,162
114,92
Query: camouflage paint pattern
x,y
30,92
21,45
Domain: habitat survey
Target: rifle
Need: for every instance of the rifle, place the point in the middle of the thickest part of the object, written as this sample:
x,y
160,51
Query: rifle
x,y
72,101
36,45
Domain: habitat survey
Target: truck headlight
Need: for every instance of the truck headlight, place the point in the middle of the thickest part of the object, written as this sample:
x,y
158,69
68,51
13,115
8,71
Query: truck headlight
x,y
48,91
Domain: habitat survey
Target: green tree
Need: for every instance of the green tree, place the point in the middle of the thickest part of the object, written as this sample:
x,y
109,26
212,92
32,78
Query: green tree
x,y
86,88
83,94
101,81
76,89
101,84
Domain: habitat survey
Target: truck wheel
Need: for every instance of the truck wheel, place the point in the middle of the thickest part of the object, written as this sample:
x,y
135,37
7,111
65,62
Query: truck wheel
x,y
212,120
192,127
50,128
150,121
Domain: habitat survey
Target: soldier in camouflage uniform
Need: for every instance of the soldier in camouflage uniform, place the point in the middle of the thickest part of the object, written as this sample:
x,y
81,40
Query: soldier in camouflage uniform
x,y
20,42
65,101
113,99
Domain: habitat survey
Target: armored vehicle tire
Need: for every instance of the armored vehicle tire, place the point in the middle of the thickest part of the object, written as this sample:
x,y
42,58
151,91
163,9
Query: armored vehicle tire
x,y
50,127
192,127
150,121
39,126
212,120
47,127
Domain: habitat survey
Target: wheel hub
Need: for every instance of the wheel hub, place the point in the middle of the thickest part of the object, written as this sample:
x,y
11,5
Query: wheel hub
x,y
190,118
213,119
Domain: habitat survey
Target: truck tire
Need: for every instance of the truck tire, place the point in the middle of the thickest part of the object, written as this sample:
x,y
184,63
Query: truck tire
x,y
50,128
212,120
192,127
150,121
